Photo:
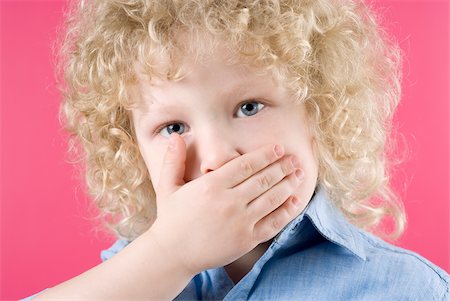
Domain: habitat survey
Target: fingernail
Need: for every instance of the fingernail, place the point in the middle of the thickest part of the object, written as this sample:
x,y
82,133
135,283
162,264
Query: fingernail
x,y
278,150
299,174
295,201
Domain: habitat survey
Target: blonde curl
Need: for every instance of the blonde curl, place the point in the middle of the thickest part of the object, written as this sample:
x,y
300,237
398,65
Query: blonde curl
x,y
332,55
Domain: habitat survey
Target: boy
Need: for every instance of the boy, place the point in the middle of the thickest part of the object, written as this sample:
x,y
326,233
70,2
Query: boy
x,y
238,146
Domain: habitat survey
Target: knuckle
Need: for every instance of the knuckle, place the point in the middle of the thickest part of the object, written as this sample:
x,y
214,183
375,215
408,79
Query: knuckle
x,y
207,190
273,201
286,167
271,156
275,223
227,209
246,168
264,181
240,199
290,210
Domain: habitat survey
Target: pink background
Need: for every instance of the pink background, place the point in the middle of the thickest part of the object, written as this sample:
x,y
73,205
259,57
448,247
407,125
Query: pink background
x,y
46,235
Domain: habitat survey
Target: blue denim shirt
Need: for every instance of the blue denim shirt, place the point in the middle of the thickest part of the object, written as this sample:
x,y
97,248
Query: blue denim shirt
x,y
320,256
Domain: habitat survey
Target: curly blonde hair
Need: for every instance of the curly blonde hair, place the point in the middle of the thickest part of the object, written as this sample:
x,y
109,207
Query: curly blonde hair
x,y
331,54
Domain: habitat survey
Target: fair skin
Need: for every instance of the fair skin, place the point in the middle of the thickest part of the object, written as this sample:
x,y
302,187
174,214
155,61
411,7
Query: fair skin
x,y
205,109
224,186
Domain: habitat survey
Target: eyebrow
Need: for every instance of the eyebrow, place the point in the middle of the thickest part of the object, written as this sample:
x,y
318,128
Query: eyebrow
x,y
236,89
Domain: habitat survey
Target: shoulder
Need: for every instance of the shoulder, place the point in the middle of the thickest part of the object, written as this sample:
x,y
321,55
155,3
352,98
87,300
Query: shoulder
x,y
404,269
378,248
373,264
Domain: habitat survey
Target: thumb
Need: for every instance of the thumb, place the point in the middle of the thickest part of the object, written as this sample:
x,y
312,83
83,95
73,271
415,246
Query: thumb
x,y
173,167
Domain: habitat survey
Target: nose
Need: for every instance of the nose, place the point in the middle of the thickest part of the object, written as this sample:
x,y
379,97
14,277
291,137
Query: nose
x,y
213,149
215,153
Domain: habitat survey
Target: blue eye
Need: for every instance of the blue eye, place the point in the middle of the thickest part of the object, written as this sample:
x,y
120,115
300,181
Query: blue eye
x,y
168,129
249,108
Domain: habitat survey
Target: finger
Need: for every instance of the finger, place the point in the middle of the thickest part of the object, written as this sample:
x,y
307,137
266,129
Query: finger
x,y
173,167
238,170
265,179
275,197
273,223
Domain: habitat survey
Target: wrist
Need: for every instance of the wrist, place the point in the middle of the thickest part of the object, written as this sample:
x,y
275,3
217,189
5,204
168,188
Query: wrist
x,y
170,245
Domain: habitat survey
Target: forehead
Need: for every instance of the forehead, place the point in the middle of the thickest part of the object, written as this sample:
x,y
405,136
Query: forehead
x,y
220,81
204,60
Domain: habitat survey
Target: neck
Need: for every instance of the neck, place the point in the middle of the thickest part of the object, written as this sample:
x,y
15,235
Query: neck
x,y
240,267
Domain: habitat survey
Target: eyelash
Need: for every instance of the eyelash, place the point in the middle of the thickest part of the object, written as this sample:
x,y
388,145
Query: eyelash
x,y
259,103
166,124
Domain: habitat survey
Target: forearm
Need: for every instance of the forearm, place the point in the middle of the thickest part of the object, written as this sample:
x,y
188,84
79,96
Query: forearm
x,y
143,270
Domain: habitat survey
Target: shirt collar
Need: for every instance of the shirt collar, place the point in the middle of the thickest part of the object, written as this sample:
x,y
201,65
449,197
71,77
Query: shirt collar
x,y
329,222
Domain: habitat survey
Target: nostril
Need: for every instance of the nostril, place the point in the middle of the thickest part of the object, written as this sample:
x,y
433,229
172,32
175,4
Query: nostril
x,y
213,156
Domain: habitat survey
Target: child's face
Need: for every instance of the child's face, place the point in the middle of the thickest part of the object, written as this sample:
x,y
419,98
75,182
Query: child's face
x,y
221,111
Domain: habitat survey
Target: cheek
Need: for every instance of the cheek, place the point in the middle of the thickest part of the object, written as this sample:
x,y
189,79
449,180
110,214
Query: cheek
x,y
293,133
258,134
